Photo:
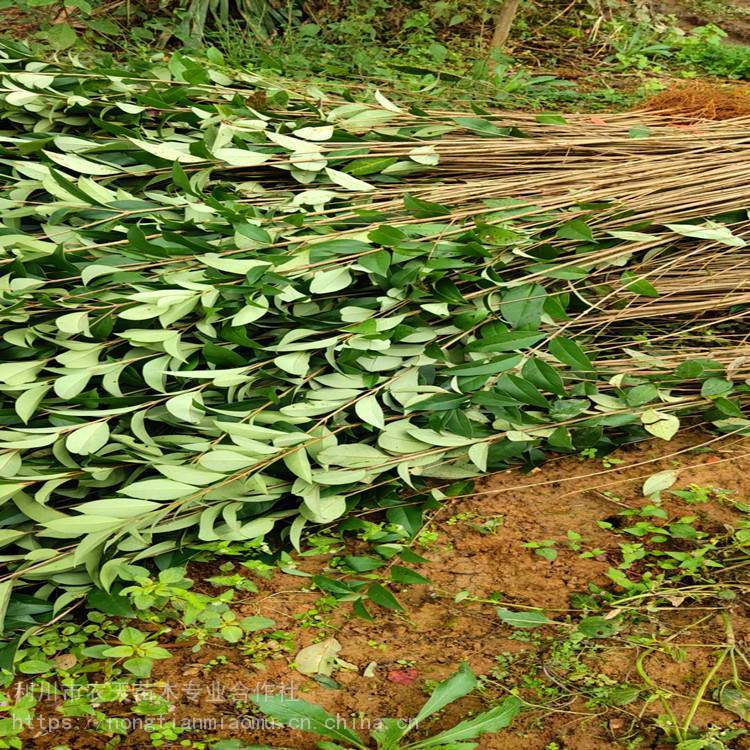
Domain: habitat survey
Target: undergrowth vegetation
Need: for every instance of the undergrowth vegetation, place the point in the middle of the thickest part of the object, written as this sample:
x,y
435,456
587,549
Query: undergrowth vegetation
x,y
426,52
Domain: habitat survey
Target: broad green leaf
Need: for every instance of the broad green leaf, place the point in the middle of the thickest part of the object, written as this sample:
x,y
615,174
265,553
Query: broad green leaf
x,y
327,282
352,456
298,463
158,489
79,165
295,363
383,597
231,264
88,439
118,507
78,525
318,658
400,574
658,482
308,716
570,353
708,231
638,285
28,402
576,229
348,182
716,387
6,588
448,691
523,618
522,306
494,720
660,424
369,411
168,151
240,157
735,700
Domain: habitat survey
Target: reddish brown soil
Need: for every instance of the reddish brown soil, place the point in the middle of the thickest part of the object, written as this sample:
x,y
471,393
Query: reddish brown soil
x,y
16,23
436,633
734,16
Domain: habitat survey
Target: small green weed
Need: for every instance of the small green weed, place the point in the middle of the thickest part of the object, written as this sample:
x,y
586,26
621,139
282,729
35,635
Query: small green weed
x,y
392,733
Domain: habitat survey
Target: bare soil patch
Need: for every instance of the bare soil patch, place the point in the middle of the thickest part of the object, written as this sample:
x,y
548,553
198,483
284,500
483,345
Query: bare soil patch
x,y
733,16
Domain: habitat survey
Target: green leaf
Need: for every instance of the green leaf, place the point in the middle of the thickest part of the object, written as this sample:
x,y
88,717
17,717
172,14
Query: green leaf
x,y
256,622
240,157
716,387
354,456
307,716
384,598
506,342
486,367
232,265
570,353
551,119
424,209
327,282
523,618
369,411
6,588
110,603
88,439
28,402
79,165
597,627
298,463
543,376
494,720
479,125
448,691
659,482
400,574
140,666
348,182
61,36
522,306
638,285
708,231
118,507
168,151
641,394
576,229
158,489
388,734
735,700
295,363
660,424
377,263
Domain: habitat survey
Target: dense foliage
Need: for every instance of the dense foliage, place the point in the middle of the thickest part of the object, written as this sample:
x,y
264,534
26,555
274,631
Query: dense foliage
x,y
214,326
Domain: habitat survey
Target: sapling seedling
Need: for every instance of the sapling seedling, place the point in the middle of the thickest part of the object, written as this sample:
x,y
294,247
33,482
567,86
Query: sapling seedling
x,y
392,734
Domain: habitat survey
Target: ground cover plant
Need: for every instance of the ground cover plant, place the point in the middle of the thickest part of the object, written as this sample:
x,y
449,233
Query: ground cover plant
x,y
422,52
392,735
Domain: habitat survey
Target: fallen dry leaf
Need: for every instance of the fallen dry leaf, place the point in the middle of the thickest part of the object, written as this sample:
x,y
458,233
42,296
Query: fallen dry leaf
x,y
319,658
403,676
65,661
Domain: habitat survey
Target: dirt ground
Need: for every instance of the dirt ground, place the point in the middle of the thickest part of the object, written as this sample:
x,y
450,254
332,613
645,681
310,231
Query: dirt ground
x,y
732,15
402,654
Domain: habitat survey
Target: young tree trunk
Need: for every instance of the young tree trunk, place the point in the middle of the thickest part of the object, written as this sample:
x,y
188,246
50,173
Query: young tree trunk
x,y
503,24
